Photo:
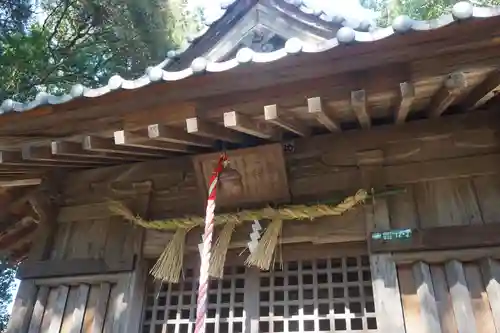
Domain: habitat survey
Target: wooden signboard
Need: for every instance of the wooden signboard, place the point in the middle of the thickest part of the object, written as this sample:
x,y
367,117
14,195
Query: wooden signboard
x,y
262,171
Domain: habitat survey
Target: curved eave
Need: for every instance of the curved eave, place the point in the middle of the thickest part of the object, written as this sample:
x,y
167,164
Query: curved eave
x,y
462,11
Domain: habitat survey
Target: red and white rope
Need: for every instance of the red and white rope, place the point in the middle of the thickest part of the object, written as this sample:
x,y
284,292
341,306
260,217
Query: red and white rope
x,y
201,304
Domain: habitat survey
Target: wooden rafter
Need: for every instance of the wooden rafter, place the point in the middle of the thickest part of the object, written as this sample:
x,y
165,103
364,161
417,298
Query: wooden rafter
x,y
210,130
244,124
483,92
16,159
93,143
272,115
359,107
44,154
67,148
19,180
406,98
448,93
140,140
176,135
315,107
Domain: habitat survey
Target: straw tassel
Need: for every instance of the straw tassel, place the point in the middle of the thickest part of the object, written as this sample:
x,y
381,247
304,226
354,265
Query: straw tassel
x,y
169,266
263,255
220,248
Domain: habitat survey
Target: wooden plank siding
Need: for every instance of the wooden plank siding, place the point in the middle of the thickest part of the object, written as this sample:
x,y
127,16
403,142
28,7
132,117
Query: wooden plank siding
x,y
93,305
449,297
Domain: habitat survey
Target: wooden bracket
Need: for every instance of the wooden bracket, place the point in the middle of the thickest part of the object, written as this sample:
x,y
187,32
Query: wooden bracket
x,y
447,94
360,108
244,124
273,116
315,107
483,92
210,130
142,141
406,98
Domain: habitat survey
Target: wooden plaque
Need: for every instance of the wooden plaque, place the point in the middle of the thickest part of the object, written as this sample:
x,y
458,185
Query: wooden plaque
x,y
262,171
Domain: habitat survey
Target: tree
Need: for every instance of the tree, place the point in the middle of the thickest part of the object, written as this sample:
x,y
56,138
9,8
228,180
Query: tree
x,y
14,14
416,9
87,41
7,275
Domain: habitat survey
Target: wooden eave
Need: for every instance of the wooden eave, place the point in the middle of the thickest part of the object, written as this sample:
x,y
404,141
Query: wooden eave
x,y
347,89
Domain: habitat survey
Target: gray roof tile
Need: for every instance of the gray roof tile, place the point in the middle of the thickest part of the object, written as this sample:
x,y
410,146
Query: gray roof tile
x,y
346,35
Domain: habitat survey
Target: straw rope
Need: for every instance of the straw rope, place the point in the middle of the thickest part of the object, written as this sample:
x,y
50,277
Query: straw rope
x,y
290,212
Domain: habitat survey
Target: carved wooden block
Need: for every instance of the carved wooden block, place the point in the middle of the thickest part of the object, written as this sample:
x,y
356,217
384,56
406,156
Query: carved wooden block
x,y
263,176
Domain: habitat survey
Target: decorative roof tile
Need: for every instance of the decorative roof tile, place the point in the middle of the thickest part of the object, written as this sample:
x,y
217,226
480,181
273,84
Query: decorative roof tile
x,y
346,35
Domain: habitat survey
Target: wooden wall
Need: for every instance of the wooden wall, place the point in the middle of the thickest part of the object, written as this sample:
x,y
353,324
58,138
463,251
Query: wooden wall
x,y
91,303
84,308
451,297
449,169
463,201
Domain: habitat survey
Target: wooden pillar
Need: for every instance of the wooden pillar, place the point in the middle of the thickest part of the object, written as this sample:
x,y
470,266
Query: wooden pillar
x,y
251,300
132,287
385,283
44,201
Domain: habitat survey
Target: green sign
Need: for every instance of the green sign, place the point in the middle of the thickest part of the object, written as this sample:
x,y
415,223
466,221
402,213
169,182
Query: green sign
x,y
397,234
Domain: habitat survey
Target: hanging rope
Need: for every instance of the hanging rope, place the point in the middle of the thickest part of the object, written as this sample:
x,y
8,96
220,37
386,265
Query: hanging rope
x,y
201,305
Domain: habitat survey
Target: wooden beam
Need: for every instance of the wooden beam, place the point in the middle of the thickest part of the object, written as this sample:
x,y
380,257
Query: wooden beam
x,y
171,113
442,238
210,130
21,182
176,135
483,92
136,140
72,267
315,107
360,108
244,124
272,116
68,148
15,158
440,256
447,94
44,154
406,98
98,144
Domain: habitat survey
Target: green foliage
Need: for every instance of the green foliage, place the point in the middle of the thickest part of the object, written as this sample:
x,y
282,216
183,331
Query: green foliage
x,y
14,14
7,275
416,9
87,41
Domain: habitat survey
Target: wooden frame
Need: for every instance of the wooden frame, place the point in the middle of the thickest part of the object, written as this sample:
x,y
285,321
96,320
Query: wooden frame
x,y
73,267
